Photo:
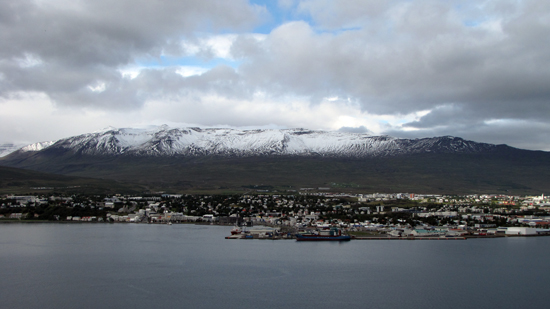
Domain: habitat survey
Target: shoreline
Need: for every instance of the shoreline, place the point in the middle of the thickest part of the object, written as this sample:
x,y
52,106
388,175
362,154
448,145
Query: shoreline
x,y
466,237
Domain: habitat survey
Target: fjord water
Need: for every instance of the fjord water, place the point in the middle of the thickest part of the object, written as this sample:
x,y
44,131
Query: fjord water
x,y
193,266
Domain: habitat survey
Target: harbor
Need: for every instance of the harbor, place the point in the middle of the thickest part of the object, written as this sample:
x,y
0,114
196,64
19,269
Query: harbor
x,y
337,234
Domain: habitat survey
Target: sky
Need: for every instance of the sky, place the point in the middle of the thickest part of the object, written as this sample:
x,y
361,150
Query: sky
x,y
479,69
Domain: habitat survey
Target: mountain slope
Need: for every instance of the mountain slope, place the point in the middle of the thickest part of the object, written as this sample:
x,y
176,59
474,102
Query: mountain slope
x,y
193,159
15,180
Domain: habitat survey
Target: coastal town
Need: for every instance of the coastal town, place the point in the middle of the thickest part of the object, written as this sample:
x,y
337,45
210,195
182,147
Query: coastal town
x,y
364,216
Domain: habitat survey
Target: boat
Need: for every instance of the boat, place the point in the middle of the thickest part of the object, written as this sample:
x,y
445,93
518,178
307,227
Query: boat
x,y
236,231
240,236
332,234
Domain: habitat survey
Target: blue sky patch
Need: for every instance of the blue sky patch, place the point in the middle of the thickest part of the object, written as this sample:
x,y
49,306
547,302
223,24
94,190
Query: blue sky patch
x,y
164,61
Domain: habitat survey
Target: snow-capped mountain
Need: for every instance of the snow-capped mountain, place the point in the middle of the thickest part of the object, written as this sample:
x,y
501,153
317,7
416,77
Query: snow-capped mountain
x,y
181,159
166,141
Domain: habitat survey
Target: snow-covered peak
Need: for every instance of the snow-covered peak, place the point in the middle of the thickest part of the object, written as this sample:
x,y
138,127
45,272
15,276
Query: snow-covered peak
x,y
168,141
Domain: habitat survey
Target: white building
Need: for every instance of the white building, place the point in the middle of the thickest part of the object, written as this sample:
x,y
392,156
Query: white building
x,y
521,231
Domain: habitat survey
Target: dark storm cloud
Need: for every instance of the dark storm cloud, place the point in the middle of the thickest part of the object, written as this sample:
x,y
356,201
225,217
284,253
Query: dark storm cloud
x,y
403,57
467,66
361,129
463,66
167,83
63,47
81,33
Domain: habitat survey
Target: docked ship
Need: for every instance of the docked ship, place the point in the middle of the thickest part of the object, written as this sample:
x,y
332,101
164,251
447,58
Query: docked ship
x,y
332,234
236,230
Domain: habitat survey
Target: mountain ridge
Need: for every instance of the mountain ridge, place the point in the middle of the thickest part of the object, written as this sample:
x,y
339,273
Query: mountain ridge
x,y
191,159
166,141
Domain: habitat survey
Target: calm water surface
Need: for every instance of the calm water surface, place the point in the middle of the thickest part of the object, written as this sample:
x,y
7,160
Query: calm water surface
x,y
192,266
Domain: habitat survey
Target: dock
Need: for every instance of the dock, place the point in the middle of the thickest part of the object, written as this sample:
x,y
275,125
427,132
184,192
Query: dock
x,y
353,238
409,238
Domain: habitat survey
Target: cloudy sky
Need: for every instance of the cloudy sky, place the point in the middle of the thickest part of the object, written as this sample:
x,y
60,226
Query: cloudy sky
x,y
475,69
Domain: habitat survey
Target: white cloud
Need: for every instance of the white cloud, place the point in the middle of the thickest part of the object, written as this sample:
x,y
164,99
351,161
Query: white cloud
x,y
33,117
97,87
29,61
130,72
187,71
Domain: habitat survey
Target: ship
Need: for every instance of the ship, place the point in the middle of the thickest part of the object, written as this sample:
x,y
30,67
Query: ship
x,y
332,234
236,230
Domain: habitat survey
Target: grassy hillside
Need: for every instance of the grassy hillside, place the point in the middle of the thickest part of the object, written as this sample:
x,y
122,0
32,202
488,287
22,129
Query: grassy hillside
x,y
20,181
508,170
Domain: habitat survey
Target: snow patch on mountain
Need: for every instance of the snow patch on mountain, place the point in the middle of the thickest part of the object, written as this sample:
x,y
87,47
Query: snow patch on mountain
x,y
37,146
